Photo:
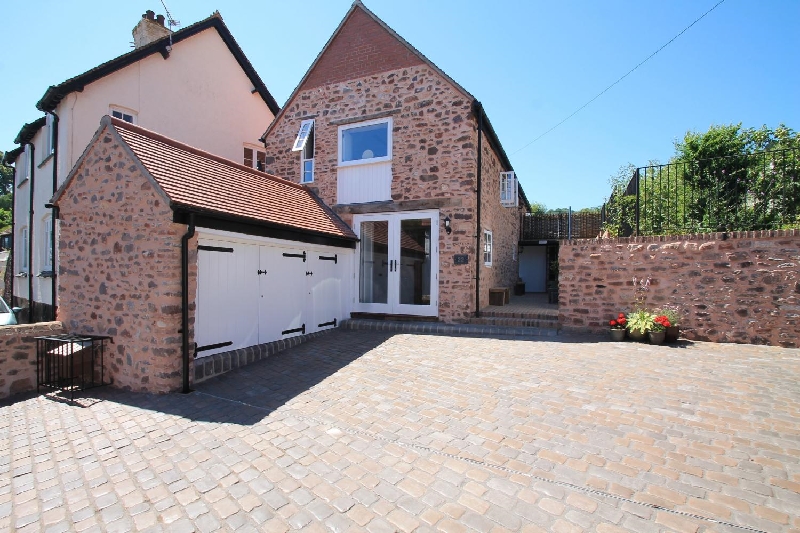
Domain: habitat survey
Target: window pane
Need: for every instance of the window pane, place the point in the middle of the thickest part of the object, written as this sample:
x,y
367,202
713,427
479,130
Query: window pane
x,y
365,142
415,261
374,262
261,160
308,171
116,114
248,157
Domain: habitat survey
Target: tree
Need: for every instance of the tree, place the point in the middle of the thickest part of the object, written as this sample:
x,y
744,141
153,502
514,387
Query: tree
x,y
6,183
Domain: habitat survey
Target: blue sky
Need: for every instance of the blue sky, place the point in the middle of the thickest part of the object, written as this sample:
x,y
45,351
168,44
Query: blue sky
x,y
531,63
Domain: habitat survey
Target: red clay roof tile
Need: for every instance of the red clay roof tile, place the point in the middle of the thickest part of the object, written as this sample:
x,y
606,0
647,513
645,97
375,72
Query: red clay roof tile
x,y
193,178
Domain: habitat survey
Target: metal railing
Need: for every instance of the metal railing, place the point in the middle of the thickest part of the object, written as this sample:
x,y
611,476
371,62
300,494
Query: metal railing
x,y
558,226
744,192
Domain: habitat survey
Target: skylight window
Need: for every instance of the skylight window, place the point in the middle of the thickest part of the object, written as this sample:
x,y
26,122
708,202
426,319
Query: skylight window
x,y
306,127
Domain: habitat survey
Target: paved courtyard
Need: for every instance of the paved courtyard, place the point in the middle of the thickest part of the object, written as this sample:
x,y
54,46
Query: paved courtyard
x,y
370,431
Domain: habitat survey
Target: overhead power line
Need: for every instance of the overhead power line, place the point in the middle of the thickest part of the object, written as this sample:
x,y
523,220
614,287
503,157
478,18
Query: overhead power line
x,y
601,93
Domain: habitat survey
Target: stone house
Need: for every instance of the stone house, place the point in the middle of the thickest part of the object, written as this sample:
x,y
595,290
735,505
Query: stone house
x,y
403,154
195,85
175,252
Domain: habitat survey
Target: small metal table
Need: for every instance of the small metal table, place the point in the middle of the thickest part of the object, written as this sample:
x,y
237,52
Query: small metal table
x,y
70,362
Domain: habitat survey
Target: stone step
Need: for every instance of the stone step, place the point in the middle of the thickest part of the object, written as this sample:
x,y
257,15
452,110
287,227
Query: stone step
x,y
540,314
450,329
513,322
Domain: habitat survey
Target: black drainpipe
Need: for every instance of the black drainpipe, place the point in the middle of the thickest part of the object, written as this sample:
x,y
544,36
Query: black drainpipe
x,y
30,233
185,301
478,249
54,215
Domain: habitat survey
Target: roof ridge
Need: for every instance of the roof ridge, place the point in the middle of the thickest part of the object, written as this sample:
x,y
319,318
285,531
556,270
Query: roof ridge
x,y
121,124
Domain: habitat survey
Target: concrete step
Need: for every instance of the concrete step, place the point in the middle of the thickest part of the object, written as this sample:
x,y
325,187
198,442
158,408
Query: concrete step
x,y
538,314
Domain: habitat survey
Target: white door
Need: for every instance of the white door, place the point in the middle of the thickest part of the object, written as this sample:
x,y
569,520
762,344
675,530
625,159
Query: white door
x,y
227,307
324,284
282,292
398,263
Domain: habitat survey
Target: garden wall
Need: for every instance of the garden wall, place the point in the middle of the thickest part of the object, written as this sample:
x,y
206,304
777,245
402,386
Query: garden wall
x,y
741,287
18,355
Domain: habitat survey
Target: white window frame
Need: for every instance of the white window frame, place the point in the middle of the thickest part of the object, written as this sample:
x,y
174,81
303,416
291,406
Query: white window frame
x,y
123,111
23,238
49,134
23,165
508,189
304,134
256,150
388,157
47,251
488,247
306,127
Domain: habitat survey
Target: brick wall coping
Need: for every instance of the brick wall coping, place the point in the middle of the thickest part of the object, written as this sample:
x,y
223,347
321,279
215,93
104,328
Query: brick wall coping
x,y
39,329
718,236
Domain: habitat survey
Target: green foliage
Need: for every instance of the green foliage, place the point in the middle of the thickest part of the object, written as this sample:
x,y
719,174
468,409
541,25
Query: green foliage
x,y
725,179
538,208
6,183
641,321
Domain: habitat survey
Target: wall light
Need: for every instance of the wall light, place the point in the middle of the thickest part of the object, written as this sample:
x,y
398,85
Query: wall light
x,y
447,227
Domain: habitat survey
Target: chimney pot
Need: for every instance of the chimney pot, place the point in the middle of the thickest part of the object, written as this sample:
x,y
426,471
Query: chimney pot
x,y
149,14
160,19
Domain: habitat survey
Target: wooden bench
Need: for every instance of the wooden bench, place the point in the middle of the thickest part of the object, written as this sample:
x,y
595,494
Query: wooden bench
x,y
499,296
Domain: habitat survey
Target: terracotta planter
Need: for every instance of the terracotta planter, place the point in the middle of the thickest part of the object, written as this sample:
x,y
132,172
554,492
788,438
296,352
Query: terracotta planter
x,y
617,335
672,334
657,337
636,335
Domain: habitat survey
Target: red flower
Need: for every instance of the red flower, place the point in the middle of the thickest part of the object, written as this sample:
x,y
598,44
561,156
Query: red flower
x,y
622,315
612,323
622,321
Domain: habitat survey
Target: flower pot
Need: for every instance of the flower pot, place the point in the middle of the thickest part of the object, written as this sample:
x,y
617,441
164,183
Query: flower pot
x,y
672,334
657,337
617,335
637,335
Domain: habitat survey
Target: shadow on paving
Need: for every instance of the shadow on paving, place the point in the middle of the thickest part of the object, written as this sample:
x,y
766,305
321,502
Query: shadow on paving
x,y
266,384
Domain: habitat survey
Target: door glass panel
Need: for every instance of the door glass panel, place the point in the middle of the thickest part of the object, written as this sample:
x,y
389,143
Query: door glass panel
x,y
374,262
415,261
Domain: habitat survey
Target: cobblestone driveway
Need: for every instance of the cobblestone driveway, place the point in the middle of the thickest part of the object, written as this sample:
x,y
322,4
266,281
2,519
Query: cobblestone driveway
x,y
379,432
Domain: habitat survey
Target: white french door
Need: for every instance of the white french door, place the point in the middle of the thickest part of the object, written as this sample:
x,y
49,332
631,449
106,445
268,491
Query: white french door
x,y
398,263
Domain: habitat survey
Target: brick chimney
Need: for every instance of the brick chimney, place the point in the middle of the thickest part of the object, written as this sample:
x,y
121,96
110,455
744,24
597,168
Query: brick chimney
x,y
150,28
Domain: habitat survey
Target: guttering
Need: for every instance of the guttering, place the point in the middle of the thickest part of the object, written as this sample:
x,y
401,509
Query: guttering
x,y
54,216
185,302
29,161
479,112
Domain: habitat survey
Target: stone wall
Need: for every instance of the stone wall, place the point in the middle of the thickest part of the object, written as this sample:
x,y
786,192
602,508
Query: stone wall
x,y
18,355
504,225
434,158
731,287
120,267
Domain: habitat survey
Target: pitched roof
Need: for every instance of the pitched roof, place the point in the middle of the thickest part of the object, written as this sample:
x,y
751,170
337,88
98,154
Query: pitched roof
x,y
194,180
55,93
477,107
27,131
10,157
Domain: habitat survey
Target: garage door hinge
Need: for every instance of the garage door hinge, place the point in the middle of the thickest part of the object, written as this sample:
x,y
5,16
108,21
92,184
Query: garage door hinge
x,y
303,255
262,272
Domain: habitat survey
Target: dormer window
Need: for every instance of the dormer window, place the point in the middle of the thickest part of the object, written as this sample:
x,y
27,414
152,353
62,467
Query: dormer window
x,y
304,143
365,142
123,114
254,158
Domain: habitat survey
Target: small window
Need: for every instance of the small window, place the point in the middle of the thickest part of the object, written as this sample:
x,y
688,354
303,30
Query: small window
x,y
49,137
508,189
23,166
23,249
487,248
124,114
367,142
306,135
47,251
254,158
306,130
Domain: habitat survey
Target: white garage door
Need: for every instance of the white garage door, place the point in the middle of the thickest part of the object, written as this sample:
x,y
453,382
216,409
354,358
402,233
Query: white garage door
x,y
253,293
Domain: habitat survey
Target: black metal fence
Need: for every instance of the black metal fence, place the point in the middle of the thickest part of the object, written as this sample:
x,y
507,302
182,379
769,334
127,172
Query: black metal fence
x,y
737,193
558,226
